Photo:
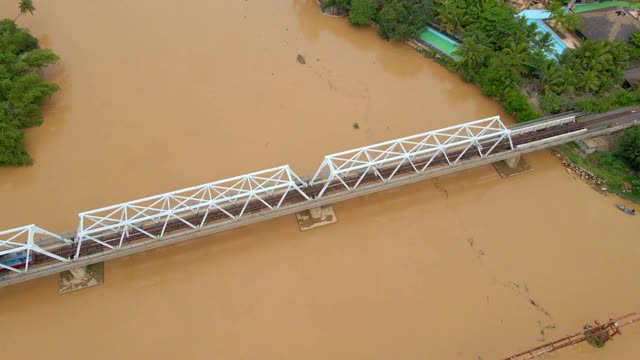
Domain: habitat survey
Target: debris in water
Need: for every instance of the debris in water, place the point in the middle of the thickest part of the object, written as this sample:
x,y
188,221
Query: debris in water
x,y
301,59
355,126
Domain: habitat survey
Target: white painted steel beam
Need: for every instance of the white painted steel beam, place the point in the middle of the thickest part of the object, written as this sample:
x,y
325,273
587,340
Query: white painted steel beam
x,y
369,188
133,216
269,187
480,135
20,243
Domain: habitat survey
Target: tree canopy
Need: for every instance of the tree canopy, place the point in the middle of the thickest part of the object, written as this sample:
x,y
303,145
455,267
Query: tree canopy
x,y
22,90
629,147
25,6
397,19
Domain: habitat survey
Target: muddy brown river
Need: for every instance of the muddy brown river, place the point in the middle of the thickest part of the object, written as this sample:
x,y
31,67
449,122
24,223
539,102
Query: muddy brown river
x,y
156,96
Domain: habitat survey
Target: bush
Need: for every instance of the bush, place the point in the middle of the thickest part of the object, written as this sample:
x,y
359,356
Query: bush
x,y
629,147
616,99
362,11
518,105
550,102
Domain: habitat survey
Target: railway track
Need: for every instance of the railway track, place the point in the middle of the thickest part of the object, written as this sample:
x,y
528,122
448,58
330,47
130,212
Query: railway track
x,y
212,216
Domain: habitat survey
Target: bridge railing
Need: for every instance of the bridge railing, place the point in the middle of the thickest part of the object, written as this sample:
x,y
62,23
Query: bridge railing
x,y
525,129
417,151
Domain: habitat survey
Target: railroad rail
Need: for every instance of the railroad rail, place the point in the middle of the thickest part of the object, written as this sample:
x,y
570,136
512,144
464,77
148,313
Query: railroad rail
x,y
155,221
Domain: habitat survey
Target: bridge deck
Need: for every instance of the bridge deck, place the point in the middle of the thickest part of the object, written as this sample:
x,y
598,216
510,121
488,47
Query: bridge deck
x,y
527,138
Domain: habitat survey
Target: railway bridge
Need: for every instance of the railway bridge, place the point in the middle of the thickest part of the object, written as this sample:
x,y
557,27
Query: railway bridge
x,y
30,252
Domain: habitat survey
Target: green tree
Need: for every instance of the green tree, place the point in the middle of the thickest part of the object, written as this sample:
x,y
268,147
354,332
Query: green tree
x,y
550,102
22,90
629,147
635,39
25,6
572,22
543,43
568,21
500,76
473,52
518,104
362,11
450,15
401,19
589,81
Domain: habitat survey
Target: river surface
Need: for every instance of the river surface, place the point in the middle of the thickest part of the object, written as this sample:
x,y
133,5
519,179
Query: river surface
x,y
156,96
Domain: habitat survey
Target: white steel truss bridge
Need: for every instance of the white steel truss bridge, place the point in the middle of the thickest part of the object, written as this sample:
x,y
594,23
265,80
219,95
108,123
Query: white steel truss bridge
x,y
30,252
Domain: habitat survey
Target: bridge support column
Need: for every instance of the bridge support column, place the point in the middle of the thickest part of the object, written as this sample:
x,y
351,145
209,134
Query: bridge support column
x,y
316,212
79,273
316,217
81,278
513,166
513,162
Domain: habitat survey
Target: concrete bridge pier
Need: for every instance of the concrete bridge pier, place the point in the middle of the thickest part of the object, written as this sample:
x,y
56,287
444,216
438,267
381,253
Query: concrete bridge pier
x,y
79,273
316,217
81,277
512,166
315,213
513,162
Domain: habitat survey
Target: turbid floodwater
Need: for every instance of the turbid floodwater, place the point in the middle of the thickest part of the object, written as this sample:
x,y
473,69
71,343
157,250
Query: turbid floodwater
x,y
156,96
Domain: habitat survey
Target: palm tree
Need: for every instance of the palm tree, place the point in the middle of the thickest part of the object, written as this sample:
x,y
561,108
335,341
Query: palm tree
x,y
589,82
543,43
472,51
572,22
450,15
558,16
25,6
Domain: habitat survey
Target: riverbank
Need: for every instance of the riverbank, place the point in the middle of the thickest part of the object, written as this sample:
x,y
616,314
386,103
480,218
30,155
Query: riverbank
x,y
520,104
469,251
602,170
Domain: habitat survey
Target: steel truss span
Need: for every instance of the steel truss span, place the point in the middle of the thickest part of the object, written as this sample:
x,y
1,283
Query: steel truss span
x,y
192,206
155,221
451,143
18,247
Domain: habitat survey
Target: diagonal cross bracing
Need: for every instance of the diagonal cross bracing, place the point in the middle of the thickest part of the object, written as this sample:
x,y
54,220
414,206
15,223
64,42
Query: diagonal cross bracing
x,y
419,151
18,247
155,216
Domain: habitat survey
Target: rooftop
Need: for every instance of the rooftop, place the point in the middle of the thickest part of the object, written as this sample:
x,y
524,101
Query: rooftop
x,y
612,23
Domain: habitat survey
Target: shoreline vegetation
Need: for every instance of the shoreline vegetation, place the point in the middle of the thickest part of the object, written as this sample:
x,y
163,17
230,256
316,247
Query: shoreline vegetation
x,y
23,90
509,59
